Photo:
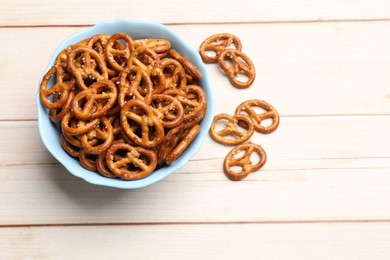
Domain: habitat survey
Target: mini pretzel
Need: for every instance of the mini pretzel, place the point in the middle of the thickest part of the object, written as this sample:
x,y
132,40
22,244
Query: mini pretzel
x,y
231,129
168,110
130,162
193,121
136,111
117,54
158,80
98,43
87,160
69,148
79,127
193,99
74,140
62,72
243,161
182,145
57,114
134,83
89,59
159,46
145,58
99,139
187,65
101,166
95,101
169,142
247,107
60,90
217,43
175,76
241,64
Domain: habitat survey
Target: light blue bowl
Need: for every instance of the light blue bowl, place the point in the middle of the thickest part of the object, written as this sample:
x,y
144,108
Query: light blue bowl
x,y
50,134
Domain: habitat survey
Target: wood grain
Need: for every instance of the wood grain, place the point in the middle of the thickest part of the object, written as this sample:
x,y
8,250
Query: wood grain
x,y
87,12
216,241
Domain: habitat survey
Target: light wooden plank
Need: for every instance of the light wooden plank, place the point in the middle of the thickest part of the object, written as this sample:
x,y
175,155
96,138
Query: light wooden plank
x,y
298,143
23,12
49,195
322,168
285,241
302,69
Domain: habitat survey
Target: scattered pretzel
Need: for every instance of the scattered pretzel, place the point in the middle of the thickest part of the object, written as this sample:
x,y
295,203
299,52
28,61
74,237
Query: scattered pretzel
x,y
270,112
243,161
224,136
241,72
241,64
217,43
119,100
238,66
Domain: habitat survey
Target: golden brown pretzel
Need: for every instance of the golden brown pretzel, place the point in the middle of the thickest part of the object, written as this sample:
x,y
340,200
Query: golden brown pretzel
x,y
151,132
234,63
158,80
243,160
62,72
196,120
171,139
69,147
130,162
160,46
175,75
101,166
270,112
217,43
193,99
134,83
99,139
95,101
168,110
187,65
231,129
59,90
117,54
92,65
183,144
73,126
57,114
87,160
145,58
98,43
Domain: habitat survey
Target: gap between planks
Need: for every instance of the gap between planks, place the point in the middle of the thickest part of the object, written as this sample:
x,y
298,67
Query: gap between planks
x,y
213,23
265,222
281,116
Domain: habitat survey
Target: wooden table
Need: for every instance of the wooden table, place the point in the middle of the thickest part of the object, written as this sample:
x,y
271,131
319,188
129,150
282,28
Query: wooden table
x,y
324,192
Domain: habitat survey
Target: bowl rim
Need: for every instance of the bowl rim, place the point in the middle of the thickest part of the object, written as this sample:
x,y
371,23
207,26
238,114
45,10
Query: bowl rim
x,y
69,163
